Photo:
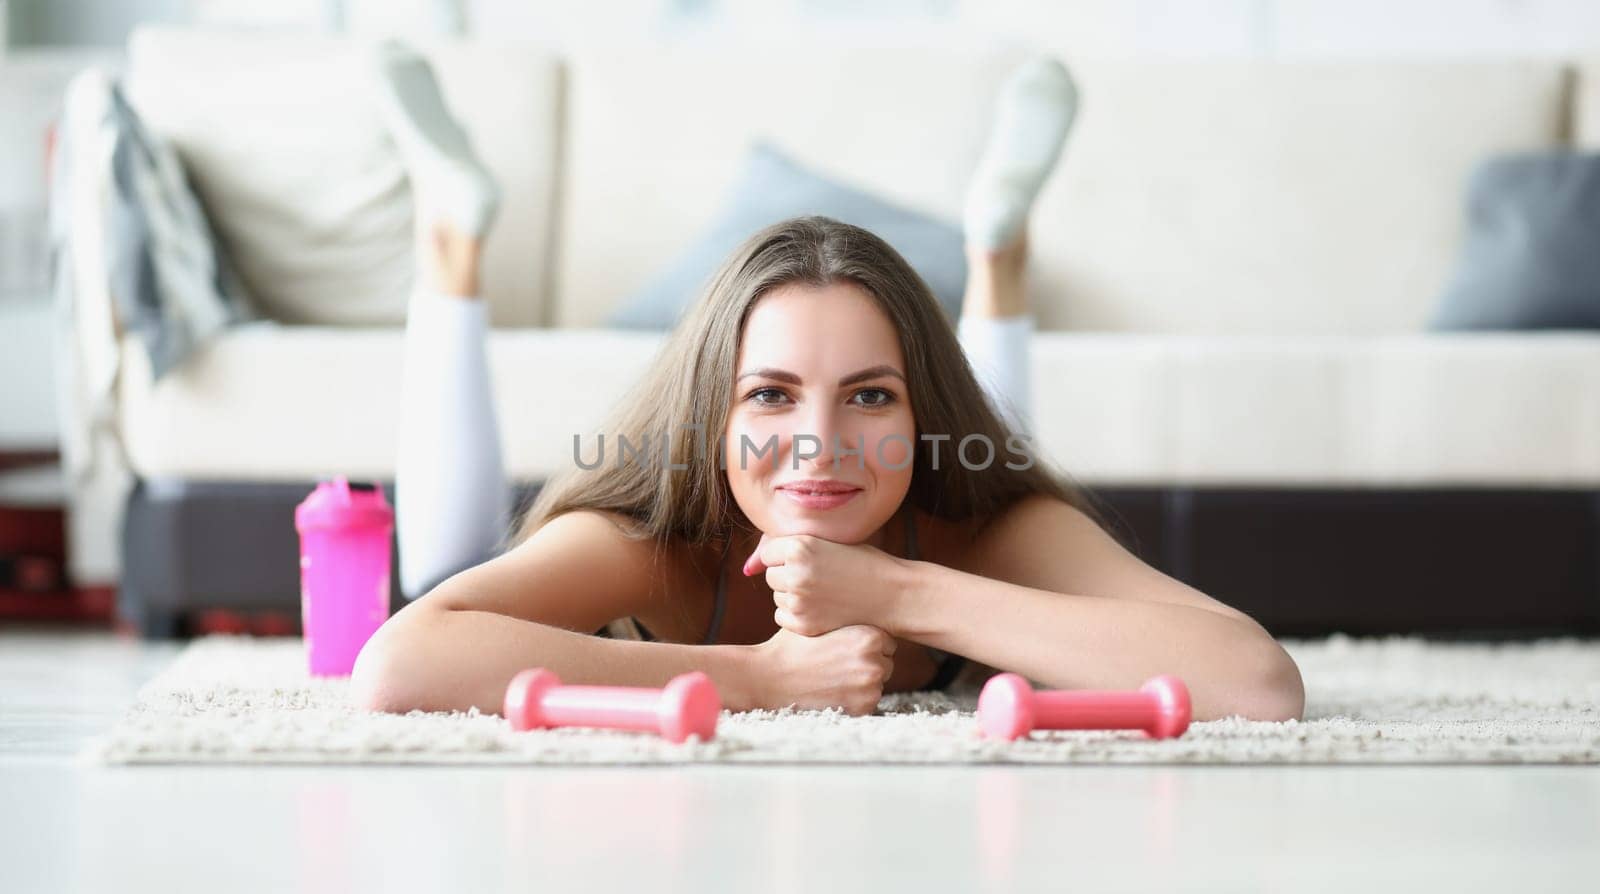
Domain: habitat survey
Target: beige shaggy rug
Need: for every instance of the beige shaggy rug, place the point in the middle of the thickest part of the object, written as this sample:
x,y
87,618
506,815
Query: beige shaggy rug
x,y
1368,701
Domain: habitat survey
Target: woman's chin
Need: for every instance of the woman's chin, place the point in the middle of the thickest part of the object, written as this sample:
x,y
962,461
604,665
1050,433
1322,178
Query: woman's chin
x,y
839,527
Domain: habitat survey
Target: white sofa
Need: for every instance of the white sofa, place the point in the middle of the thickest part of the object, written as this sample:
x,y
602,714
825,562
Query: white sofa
x,y
1232,269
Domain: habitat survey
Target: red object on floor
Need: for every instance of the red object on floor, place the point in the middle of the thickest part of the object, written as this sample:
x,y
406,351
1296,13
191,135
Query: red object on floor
x,y
96,600
220,620
33,546
39,573
86,604
33,530
271,623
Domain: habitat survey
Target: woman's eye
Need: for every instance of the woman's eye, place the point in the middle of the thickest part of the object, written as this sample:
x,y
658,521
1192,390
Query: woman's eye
x,y
766,397
874,397
866,397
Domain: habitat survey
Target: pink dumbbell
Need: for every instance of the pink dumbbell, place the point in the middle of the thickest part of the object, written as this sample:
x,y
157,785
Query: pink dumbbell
x,y
687,706
1008,708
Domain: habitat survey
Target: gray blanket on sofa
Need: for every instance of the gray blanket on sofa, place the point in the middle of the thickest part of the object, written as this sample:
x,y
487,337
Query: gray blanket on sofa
x,y
168,282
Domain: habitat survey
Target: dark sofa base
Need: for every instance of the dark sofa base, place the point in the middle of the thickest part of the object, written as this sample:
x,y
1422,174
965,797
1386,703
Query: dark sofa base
x,y
1457,563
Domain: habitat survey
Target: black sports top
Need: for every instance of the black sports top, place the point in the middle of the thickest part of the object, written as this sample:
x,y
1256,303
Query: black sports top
x,y
950,664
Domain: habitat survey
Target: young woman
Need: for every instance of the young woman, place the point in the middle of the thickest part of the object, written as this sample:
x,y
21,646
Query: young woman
x,y
825,535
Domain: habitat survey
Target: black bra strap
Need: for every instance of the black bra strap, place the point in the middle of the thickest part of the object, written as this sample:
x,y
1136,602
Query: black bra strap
x,y
720,605
950,667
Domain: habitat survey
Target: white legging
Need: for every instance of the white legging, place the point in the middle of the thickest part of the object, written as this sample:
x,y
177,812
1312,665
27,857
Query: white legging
x,y
452,497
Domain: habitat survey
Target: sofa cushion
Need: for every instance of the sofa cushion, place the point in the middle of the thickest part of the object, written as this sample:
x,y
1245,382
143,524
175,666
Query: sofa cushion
x,y
1287,197
330,405
772,187
655,138
1112,408
1194,196
290,158
1586,104
1528,260
1399,410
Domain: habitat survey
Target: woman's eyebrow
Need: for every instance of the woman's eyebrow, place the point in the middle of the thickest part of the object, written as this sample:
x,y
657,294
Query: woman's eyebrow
x,y
783,375
871,372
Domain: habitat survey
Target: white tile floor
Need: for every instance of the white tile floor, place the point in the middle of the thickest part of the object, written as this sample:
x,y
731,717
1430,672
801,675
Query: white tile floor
x,y
65,827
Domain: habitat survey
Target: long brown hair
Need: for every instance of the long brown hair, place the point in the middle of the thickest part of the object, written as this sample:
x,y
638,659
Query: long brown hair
x,y
691,381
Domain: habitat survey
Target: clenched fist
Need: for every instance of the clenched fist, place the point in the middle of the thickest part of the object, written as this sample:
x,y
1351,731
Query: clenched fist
x,y
818,585
844,668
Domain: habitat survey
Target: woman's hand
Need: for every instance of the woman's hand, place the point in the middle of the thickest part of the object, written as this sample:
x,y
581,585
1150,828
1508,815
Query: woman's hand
x,y
819,586
914,667
845,668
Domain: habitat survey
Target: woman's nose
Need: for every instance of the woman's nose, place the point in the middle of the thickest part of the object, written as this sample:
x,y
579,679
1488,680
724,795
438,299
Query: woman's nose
x,y
828,437
813,440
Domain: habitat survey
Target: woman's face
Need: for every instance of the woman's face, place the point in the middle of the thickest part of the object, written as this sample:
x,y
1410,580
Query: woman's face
x,y
824,363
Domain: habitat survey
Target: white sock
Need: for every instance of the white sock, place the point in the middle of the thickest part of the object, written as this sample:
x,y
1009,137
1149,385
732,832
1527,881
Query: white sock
x,y
1034,112
452,500
998,350
447,178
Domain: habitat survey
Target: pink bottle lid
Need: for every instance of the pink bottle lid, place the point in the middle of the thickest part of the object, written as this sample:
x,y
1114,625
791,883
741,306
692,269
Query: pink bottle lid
x,y
339,503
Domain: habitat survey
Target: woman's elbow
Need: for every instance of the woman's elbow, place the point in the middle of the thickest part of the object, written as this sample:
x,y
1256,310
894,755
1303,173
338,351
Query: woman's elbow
x,y
384,678
1280,692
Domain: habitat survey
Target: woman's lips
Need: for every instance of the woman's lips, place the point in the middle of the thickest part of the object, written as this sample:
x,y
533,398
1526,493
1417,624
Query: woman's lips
x,y
817,499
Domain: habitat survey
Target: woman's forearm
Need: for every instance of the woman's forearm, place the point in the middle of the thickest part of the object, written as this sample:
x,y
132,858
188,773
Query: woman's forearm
x,y
1095,642
434,659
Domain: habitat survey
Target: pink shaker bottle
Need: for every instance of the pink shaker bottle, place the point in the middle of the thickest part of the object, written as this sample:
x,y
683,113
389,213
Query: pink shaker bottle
x,y
345,532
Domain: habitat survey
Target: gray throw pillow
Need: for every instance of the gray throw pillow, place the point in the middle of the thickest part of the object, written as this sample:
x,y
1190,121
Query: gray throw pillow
x,y
772,187
1531,257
